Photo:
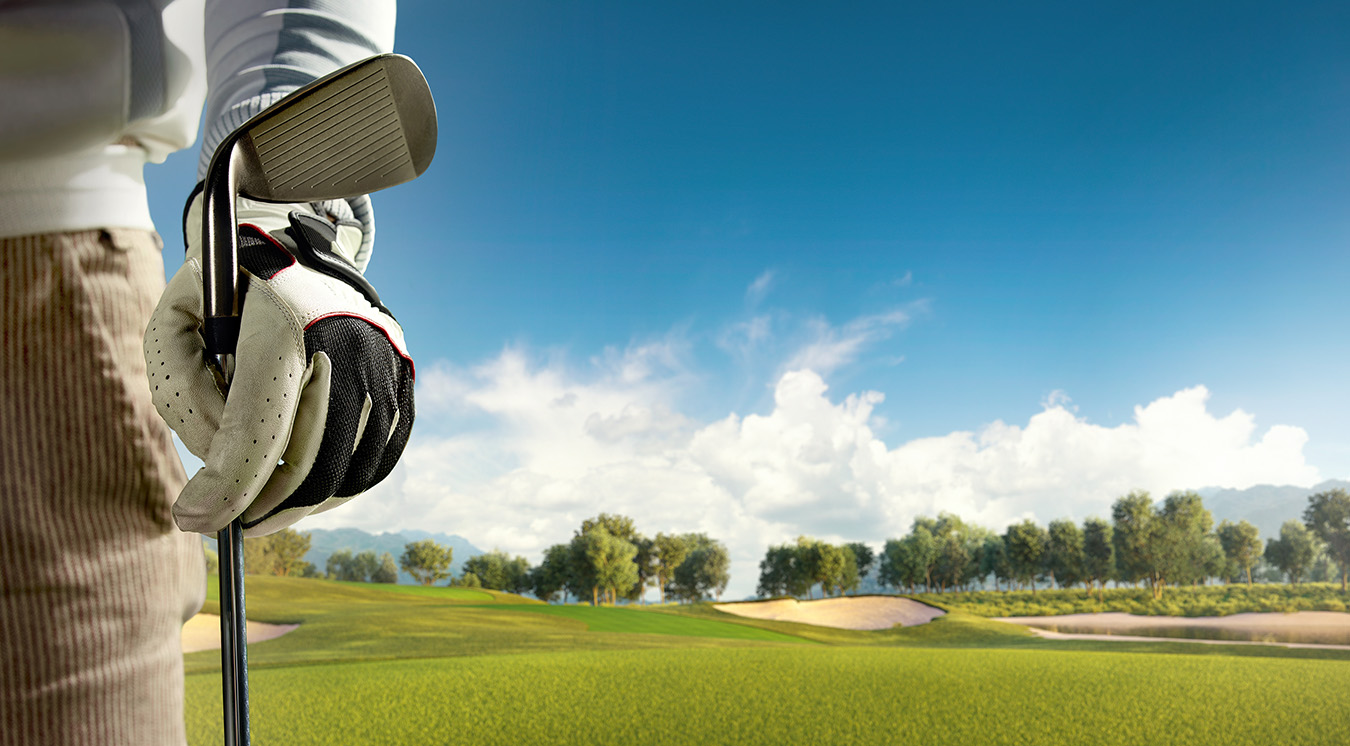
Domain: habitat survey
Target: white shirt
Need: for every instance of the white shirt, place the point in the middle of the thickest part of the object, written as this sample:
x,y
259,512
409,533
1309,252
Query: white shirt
x,y
93,90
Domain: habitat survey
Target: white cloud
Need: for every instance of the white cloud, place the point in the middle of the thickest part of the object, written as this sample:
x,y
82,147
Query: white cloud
x,y
759,288
830,348
550,446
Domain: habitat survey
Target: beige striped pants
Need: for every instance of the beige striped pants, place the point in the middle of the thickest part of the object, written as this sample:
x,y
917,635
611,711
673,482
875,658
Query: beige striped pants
x,y
95,579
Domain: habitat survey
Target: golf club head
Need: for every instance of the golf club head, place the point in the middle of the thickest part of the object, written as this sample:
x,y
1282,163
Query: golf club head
x,y
368,126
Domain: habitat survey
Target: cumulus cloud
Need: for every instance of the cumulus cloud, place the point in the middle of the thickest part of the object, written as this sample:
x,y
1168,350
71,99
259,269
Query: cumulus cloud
x,y
550,445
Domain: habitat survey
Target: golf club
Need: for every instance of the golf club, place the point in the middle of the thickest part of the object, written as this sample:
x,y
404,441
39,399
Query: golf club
x,y
366,127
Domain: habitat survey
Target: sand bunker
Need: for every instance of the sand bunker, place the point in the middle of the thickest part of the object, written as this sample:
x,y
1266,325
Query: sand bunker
x,y
202,632
847,612
1299,628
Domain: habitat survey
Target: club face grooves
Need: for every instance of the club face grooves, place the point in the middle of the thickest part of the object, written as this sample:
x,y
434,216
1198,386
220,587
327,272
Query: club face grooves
x,y
369,127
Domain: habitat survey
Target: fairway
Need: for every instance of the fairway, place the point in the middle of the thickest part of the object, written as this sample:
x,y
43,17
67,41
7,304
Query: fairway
x,y
373,666
634,621
808,695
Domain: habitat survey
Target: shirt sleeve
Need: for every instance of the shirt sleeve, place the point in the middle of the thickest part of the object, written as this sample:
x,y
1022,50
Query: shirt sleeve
x,y
257,51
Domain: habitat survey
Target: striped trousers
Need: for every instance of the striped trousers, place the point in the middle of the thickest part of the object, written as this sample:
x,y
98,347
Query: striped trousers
x,y
95,579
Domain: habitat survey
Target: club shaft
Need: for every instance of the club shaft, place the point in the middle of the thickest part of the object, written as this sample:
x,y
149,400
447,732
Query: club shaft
x,y
220,306
233,634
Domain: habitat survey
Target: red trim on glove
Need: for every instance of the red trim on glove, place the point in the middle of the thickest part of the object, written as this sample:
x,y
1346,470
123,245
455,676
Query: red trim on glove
x,y
269,238
412,367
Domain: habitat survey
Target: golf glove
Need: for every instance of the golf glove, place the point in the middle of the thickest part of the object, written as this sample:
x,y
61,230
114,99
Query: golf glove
x,y
321,402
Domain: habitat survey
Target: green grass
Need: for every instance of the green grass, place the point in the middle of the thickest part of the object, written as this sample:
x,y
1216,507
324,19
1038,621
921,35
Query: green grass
x,y
1208,600
636,621
473,595
375,665
811,695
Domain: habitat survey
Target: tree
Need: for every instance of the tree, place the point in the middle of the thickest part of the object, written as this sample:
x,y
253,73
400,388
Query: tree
x,y
951,562
849,579
1179,551
1064,554
1099,553
1132,520
387,572
920,554
280,553
366,565
863,557
893,562
288,548
958,545
1241,545
778,572
582,579
469,580
257,560
668,552
340,565
499,572
829,563
1293,553
550,577
1026,551
994,559
620,526
646,565
819,563
490,568
1328,516
610,561
705,572
427,561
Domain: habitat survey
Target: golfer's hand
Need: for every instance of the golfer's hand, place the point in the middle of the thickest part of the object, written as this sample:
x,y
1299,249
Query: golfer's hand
x,y
321,402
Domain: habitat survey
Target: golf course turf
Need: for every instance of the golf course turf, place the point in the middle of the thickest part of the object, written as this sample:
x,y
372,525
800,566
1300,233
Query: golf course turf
x,y
372,664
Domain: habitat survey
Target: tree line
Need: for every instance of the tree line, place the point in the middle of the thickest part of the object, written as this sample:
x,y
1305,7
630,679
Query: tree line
x,y
607,560
795,569
1169,543
283,553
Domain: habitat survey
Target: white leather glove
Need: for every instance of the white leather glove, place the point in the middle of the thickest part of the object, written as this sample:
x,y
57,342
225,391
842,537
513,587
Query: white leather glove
x,y
323,382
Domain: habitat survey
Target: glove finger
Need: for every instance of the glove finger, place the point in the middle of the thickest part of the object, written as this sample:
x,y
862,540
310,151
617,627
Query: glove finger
x,y
334,432
400,429
256,424
369,443
270,512
345,338
385,449
183,389
396,437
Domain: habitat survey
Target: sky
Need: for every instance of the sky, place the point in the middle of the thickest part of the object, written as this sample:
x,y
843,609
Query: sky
x,y
770,269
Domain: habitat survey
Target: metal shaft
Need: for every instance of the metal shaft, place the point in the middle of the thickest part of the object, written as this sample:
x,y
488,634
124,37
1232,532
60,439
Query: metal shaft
x,y
220,331
233,633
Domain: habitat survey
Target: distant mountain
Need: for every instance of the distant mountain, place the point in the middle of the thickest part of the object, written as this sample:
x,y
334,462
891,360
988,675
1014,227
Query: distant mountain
x,y
1266,506
324,542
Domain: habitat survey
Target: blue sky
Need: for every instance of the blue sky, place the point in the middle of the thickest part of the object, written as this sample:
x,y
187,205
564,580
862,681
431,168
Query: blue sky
x,y
983,213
